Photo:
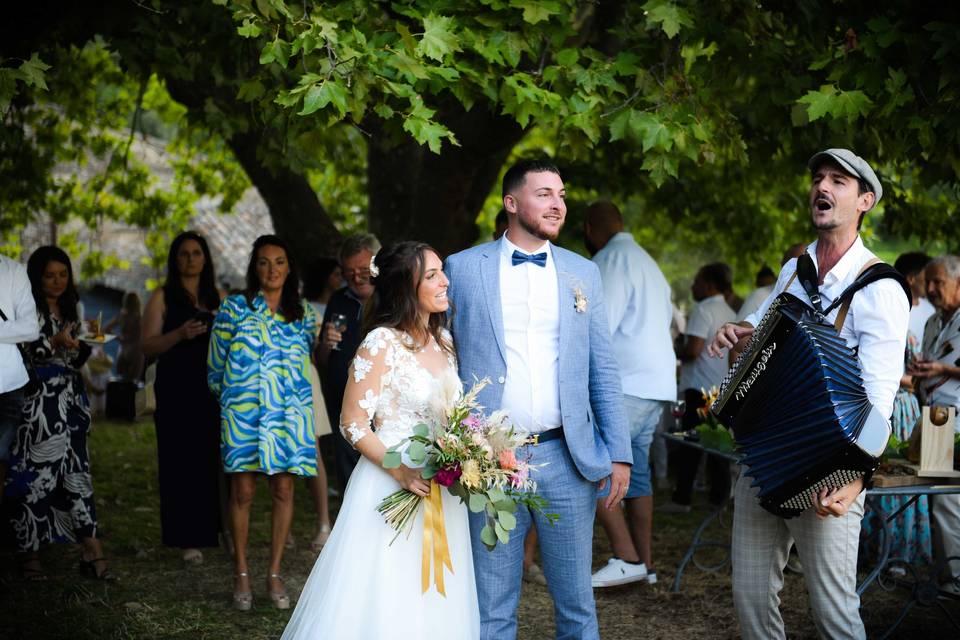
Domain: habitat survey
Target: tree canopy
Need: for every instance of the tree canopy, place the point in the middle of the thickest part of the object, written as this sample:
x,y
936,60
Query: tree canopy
x,y
698,117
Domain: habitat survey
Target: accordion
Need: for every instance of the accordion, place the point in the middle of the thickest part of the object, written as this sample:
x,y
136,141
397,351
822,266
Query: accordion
x,y
798,410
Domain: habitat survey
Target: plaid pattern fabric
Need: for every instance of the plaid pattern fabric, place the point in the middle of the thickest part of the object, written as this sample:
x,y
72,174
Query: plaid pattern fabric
x,y
828,551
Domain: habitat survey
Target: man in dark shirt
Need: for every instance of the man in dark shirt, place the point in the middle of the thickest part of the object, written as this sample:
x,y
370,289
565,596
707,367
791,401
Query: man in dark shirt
x,y
338,345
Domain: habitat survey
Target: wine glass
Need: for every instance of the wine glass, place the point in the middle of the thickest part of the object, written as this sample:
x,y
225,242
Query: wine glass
x,y
339,322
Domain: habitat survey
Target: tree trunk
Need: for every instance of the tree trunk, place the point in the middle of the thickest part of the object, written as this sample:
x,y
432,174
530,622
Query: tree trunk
x,y
297,214
415,194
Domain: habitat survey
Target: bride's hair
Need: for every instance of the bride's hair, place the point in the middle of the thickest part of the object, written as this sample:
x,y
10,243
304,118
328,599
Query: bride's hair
x,y
395,304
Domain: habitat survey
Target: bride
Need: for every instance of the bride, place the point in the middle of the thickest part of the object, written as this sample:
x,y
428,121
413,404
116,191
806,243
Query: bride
x,y
362,586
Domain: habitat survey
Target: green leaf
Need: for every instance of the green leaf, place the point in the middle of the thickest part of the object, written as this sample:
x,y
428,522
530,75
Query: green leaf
x,y
438,38
477,502
417,452
422,430
507,520
496,495
319,96
488,537
620,125
502,534
250,90
428,132
833,101
391,460
505,505
384,111
535,11
650,129
408,66
668,15
249,29
32,72
276,51
568,57
429,471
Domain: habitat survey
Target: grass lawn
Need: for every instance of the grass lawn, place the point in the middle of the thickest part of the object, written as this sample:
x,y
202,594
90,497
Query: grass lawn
x,y
157,596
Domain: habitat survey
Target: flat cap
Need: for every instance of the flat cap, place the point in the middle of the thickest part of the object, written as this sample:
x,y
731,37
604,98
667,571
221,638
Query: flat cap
x,y
852,164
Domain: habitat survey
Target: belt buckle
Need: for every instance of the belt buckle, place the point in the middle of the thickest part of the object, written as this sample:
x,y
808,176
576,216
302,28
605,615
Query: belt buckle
x,y
535,439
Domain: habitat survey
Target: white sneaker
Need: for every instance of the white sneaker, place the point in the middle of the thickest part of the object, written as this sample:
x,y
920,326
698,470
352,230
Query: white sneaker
x,y
651,577
618,572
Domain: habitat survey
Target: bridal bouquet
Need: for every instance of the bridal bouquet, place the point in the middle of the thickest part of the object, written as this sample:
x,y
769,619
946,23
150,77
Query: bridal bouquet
x,y
474,456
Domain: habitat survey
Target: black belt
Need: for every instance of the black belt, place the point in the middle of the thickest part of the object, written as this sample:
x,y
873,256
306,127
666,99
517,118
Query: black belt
x,y
547,436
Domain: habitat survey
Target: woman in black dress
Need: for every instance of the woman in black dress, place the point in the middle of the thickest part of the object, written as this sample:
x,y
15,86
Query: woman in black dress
x,y
176,330
49,489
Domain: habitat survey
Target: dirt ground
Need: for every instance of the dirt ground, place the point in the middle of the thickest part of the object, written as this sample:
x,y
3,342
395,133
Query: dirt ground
x,y
157,596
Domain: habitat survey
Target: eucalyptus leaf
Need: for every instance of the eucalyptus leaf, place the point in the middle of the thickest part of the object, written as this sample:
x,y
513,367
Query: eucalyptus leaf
x,y
507,520
391,460
488,536
477,503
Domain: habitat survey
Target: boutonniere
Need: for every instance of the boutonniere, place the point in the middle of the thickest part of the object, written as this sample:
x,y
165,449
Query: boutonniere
x,y
579,300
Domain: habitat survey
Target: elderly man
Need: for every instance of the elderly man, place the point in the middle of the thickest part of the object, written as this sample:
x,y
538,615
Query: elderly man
x,y
939,384
18,323
639,312
341,336
843,188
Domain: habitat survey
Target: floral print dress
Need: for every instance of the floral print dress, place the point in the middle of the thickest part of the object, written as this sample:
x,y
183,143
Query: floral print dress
x,y
49,490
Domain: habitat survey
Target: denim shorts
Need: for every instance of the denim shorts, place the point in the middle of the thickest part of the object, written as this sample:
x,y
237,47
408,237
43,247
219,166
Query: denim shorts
x,y
11,415
643,417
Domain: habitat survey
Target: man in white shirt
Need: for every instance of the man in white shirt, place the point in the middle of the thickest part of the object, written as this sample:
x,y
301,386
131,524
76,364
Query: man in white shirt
x,y
698,373
639,311
18,323
938,384
911,266
843,188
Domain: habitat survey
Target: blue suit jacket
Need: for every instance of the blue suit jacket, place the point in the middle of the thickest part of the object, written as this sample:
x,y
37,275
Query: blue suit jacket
x,y
591,398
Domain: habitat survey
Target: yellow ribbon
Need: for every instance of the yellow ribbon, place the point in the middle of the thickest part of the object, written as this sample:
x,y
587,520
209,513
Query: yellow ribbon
x,y
434,542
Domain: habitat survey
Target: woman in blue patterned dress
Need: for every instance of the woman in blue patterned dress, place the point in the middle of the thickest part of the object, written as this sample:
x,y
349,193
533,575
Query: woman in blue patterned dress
x,y
258,367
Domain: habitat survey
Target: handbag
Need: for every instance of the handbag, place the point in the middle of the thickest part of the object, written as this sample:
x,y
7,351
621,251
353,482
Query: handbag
x,y
33,380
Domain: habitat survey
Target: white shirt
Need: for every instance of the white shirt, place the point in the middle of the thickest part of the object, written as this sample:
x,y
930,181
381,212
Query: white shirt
x,y
637,300
753,301
876,324
16,300
530,302
704,372
919,315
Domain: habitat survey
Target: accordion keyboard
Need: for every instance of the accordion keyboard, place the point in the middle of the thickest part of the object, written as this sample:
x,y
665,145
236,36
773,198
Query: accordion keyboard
x,y
839,478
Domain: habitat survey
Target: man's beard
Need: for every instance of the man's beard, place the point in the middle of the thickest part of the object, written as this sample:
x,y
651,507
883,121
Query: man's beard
x,y
536,232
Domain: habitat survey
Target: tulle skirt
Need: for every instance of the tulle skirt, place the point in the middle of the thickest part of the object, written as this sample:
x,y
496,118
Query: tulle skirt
x,y
362,587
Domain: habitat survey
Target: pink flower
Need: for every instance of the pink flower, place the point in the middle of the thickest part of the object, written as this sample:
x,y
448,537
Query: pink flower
x,y
508,461
473,421
446,477
519,476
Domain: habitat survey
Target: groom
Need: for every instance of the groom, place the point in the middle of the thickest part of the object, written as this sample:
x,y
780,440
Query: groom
x,y
529,315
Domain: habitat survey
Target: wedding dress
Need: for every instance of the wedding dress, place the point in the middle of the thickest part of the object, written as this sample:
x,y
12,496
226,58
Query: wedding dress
x,y
361,586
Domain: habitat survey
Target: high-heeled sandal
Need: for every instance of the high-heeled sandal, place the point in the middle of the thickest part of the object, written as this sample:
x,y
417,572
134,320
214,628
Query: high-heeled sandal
x,y
89,569
323,534
280,599
242,600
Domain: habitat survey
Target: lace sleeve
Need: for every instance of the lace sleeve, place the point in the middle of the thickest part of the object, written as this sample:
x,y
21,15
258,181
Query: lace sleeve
x,y
365,383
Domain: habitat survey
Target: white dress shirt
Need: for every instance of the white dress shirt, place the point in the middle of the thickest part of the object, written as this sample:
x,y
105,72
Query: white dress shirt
x,y
530,302
919,314
16,300
753,301
876,324
637,300
704,371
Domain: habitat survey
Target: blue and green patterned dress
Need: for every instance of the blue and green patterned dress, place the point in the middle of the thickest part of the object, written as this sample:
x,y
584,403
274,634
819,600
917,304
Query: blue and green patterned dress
x,y
258,367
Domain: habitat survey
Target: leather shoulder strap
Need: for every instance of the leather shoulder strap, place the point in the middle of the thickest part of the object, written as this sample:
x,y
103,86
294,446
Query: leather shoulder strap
x,y
872,271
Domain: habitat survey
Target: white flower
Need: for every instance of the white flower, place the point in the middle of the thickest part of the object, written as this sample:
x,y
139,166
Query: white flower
x,y
374,342
579,300
369,403
361,367
374,270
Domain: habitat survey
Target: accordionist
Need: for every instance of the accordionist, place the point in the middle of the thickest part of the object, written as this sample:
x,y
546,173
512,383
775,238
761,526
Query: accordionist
x,y
843,189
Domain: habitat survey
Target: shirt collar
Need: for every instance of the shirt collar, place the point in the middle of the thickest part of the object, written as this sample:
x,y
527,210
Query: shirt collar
x,y
842,269
507,248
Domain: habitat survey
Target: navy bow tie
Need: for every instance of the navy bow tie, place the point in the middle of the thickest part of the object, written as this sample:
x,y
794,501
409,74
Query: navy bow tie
x,y
539,259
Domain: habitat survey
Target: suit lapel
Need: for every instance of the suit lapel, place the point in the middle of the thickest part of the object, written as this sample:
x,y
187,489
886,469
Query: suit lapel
x,y
490,280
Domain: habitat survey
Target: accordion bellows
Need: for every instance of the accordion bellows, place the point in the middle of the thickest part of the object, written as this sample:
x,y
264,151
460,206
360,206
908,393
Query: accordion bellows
x,y
798,410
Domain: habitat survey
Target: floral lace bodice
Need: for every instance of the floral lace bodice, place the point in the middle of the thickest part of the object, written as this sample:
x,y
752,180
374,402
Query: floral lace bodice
x,y
390,389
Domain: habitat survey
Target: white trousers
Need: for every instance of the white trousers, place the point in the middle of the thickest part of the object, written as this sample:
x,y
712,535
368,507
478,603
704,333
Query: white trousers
x,y
945,514
828,551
